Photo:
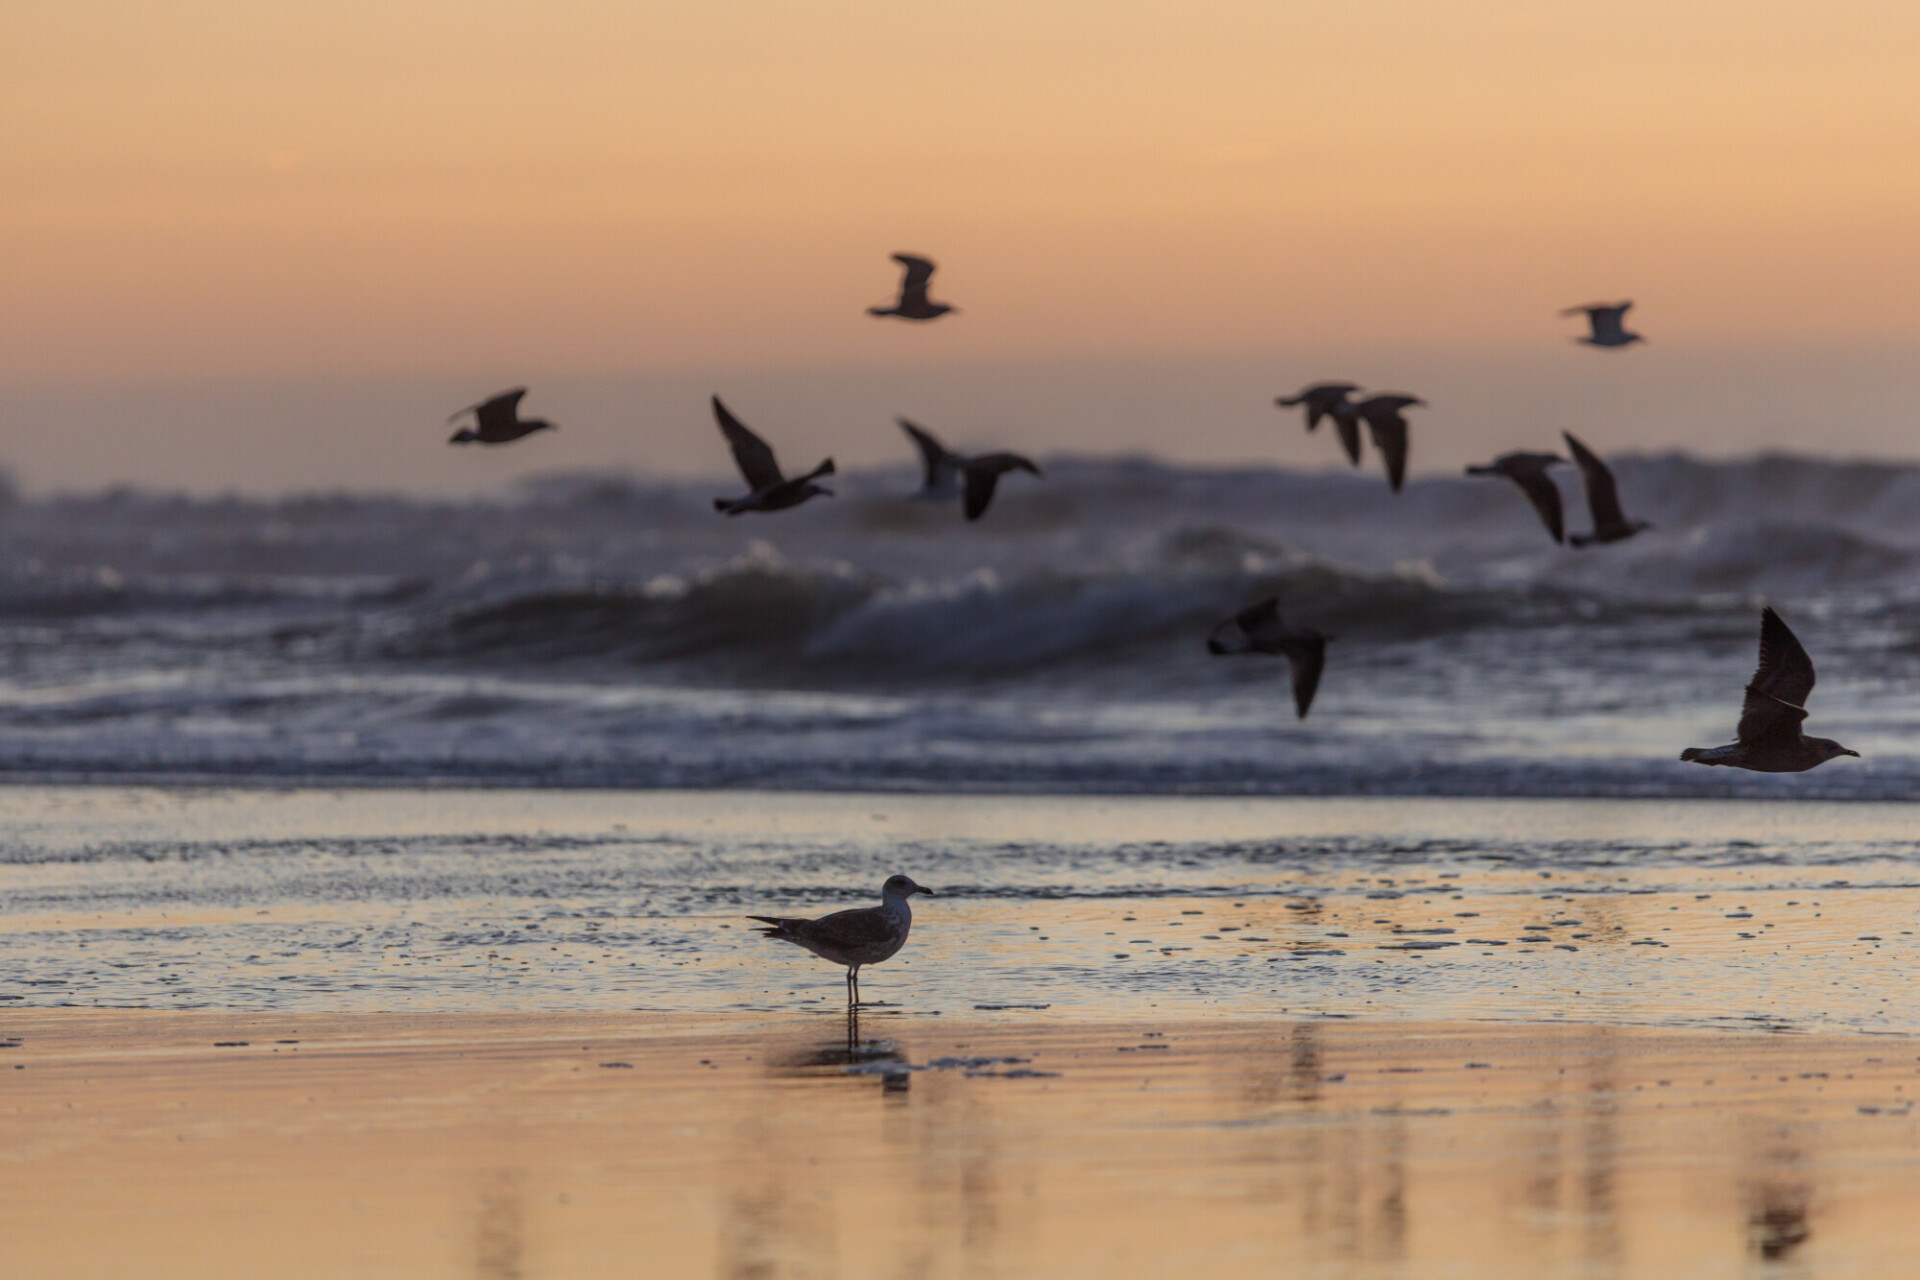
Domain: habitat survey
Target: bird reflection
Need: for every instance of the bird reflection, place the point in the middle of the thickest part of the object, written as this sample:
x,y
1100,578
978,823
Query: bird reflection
x,y
1777,1219
499,1239
848,1055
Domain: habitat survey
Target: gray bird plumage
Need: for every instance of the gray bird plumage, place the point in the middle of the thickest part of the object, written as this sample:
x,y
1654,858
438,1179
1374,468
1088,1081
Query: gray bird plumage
x,y
1610,523
769,489
1330,400
1606,324
1768,739
1387,427
497,420
913,303
854,938
1258,628
943,471
1529,471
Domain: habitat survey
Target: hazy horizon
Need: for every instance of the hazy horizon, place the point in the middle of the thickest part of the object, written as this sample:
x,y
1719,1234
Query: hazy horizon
x,y
272,247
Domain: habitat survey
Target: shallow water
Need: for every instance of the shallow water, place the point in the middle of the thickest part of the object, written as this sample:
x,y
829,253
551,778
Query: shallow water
x,y
1683,913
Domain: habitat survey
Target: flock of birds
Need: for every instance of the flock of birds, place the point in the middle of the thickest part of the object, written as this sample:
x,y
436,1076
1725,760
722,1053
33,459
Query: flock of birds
x,y
1769,738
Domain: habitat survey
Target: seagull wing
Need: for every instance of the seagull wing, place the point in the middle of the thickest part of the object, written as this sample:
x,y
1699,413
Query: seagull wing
x,y
1307,656
980,483
1603,497
753,455
1348,426
851,930
1544,494
1776,702
913,284
1389,432
503,407
934,456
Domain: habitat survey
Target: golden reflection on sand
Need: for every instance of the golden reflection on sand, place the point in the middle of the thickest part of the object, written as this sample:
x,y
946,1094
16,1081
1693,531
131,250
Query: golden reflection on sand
x,y
495,1146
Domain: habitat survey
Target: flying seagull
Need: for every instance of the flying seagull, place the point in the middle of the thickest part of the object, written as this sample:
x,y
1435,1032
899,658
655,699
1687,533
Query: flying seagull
x,y
1605,320
913,303
497,420
1388,429
1330,400
940,466
1529,471
862,936
1610,524
1769,737
771,491
1258,628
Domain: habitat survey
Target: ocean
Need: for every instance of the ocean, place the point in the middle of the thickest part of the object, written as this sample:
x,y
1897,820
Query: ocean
x,y
594,630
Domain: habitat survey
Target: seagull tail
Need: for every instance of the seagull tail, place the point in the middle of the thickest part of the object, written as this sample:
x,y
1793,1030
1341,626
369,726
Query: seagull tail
x,y
776,927
721,504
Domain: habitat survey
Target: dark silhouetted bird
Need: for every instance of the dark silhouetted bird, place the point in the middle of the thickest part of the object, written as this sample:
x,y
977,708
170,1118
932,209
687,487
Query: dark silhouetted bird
x,y
771,491
497,420
913,303
1529,471
1330,400
1610,524
1258,628
1388,430
943,471
939,465
861,936
1769,737
984,472
1606,322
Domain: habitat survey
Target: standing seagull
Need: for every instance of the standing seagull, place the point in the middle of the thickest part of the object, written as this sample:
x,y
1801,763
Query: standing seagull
x,y
771,491
1330,400
1610,523
1769,737
497,420
1529,471
1605,321
1258,629
913,303
1388,428
941,467
862,936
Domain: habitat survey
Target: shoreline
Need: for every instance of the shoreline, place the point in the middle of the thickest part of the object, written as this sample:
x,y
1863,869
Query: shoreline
x,y
542,1144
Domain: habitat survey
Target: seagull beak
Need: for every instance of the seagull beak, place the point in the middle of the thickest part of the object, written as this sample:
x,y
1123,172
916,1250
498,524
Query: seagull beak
x,y
920,888
1849,752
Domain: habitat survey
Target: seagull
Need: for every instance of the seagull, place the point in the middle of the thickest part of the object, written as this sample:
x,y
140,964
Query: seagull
x,y
862,936
497,420
1389,431
941,467
1330,400
1769,737
1259,629
771,491
1610,524
1529,471
1605,321
913,303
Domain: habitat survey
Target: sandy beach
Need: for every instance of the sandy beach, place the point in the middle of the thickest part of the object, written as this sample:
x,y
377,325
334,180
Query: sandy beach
x,y
518,1034
1005,1143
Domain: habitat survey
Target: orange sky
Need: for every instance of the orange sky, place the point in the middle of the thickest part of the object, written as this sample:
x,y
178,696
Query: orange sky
x,y
229,189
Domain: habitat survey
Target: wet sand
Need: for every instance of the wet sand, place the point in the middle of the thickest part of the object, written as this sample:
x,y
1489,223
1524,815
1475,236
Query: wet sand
x,y
1010,1142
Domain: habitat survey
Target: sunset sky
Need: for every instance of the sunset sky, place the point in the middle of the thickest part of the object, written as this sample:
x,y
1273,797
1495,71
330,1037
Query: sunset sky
x,y
272,245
